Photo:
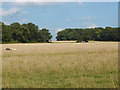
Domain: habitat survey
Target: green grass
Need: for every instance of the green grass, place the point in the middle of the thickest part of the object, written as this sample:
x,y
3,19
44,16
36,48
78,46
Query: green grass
x,y
68,80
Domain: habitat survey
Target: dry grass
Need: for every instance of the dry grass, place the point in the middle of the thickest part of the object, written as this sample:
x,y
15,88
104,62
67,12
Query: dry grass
x,y
64,41
61,65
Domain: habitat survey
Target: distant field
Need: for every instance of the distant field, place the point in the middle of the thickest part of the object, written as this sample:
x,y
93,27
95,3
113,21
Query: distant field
x,y
83,42
72,41
64,41
60,65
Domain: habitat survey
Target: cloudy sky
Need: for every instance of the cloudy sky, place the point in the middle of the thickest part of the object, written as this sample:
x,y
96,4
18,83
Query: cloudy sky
x,y
57,16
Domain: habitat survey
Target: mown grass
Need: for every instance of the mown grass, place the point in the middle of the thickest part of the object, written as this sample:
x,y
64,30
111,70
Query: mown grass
x,y
61,65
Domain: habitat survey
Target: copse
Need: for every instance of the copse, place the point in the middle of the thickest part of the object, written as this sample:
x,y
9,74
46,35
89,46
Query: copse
x,y
33,29
96,34
45,35
24,33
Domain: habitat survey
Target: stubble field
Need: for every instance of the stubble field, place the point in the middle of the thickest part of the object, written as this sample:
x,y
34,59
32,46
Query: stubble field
x,y
60,65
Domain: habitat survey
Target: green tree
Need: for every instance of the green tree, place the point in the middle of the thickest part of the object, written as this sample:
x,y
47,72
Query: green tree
x,y
6,33
44,35
33,31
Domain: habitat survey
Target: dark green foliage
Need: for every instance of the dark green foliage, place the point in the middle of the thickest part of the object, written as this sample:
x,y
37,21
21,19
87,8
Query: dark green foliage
x,y
83,35
33,31
45,35
24,33
7,33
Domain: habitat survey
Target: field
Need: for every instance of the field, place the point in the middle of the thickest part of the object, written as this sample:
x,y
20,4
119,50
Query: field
x,y
60,65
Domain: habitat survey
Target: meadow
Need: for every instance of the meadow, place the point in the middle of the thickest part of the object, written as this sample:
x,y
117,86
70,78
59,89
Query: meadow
x,y
60,65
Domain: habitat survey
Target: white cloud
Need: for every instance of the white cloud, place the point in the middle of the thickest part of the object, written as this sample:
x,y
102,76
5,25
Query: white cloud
x,y
89,25
7,23
11,11
59,29
92,26
86,24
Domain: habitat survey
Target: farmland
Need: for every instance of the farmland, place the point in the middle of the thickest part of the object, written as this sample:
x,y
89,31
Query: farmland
x,y
60,65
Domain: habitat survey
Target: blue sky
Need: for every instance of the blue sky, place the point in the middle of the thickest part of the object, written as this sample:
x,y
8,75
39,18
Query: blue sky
x,y
57,16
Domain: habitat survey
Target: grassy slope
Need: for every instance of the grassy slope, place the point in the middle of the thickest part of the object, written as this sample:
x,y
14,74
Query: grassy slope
x,y
61,65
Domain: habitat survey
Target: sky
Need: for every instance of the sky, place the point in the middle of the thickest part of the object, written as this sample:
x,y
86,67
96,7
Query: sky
x,y
57,16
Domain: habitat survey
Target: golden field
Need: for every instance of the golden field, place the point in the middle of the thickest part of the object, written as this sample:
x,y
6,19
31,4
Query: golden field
x,y
60,65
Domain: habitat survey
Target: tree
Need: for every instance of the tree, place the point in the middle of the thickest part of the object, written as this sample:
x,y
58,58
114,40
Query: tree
x,y
33,31
24,33
44,35
6,33
98,34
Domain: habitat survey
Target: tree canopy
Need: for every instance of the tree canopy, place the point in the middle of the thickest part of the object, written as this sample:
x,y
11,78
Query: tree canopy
x,y
30,32
97,34
24,33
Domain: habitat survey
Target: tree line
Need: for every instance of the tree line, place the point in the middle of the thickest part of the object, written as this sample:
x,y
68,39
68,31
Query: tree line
x,y
96,34
25,33
30,33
